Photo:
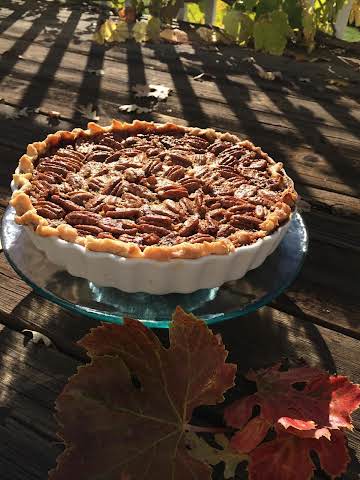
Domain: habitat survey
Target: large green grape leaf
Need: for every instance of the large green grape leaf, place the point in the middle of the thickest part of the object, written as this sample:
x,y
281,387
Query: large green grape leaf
x,y
267,6
221,10
294,11
147,30
238,26
250,4
194,12
271,32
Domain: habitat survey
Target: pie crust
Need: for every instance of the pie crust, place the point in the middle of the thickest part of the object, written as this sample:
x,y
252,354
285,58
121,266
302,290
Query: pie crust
x,y
26,212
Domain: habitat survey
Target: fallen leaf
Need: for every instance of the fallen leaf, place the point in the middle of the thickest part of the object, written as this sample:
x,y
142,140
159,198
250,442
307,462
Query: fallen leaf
x,y
249,60
174,35
288,457
319,59
134,108
336,82
153,90
267,75
325,402
202,451
209,35
99,72
111,31
204,76
38,337
304,80
147,30
251,435
126,412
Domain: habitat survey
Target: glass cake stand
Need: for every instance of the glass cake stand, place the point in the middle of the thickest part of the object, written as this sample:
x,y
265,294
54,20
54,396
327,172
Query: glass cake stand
x,y
233,299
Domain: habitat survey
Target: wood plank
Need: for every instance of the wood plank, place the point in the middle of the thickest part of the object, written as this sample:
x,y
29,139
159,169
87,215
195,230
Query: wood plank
x,y
313,166
325,291
221,58
331,202
43,63
25,455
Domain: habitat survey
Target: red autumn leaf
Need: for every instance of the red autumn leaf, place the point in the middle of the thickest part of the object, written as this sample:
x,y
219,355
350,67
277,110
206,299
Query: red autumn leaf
x,y
288,457
124,415
324,403
344,398
250,436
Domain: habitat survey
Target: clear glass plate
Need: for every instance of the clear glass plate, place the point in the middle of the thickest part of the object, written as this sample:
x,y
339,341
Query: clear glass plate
x,y
233,299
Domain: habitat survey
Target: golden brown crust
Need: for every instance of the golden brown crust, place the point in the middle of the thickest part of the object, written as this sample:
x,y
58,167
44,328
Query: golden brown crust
x,y
27,215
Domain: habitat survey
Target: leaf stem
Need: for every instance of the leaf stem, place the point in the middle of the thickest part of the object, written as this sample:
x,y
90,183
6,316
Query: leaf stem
x,y
199,429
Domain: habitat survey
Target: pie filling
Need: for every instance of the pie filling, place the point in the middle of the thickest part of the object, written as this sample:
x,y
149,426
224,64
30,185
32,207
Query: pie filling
x,y
160,189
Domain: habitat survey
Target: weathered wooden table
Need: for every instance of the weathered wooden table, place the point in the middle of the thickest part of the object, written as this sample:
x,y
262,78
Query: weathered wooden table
x,y
309,119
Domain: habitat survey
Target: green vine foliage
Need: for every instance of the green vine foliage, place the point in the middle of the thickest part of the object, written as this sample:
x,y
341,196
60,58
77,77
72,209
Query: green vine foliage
x,y
269,25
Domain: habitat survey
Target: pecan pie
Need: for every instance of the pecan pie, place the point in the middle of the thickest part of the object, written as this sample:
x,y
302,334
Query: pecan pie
x,y
151,191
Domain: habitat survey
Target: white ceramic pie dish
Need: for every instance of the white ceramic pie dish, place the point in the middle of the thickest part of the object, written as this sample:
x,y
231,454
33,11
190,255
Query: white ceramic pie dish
x,y
151,276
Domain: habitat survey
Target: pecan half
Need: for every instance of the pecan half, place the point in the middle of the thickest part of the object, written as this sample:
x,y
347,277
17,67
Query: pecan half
x,y
174,192
66,204
245,221
148,228
81,197
176,172
225,230
159,220
153,167
114,187
201,238
219,146
124,213
88,229
140,191
150,238
190,226
179,157
98,156
191,184
83,218
49,210
116,227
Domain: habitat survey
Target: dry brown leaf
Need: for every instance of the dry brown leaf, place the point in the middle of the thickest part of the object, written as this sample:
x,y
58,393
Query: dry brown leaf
x,y
153,90
337,82
174,35
204,76
126,413
267,75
